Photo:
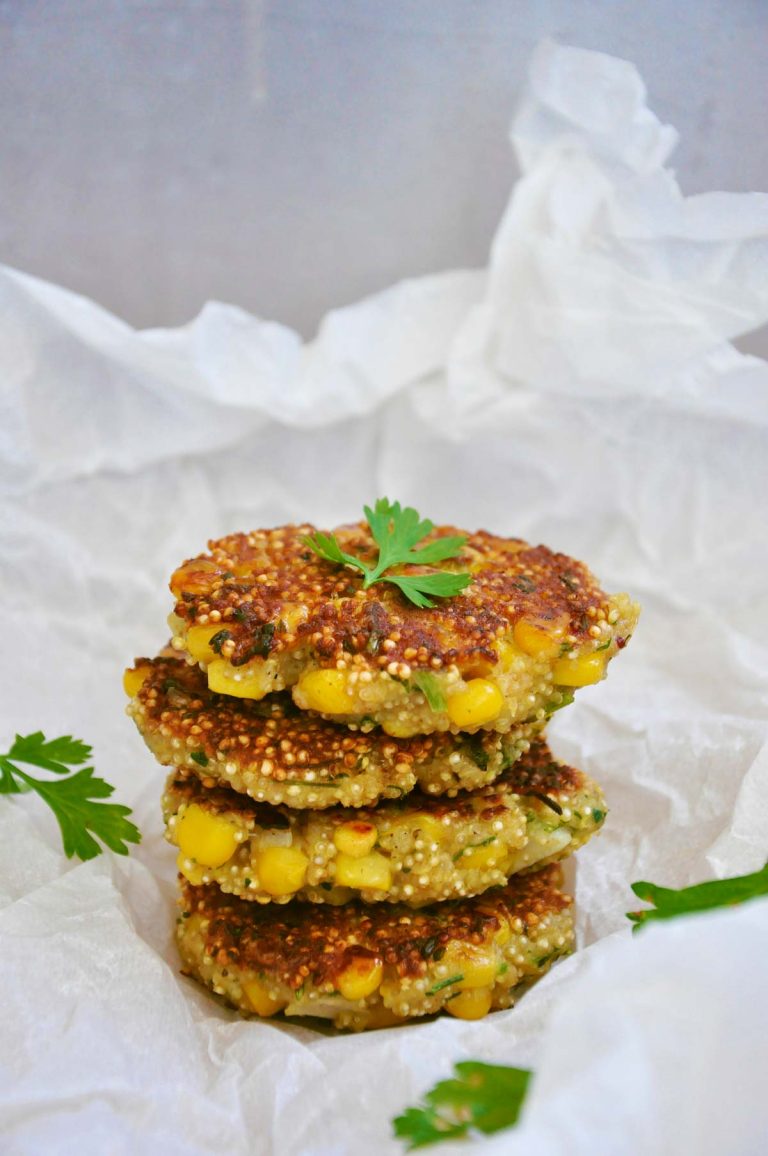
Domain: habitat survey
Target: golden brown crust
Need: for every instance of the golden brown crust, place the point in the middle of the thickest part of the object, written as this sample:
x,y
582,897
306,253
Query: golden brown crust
x,y
176,695
248,582
536,773
299,943
277,753
418,850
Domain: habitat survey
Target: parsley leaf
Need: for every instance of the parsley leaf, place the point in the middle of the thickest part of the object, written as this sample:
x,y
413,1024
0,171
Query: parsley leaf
x,y
51,754
73,799
430,687
396,531
668,903
486,1097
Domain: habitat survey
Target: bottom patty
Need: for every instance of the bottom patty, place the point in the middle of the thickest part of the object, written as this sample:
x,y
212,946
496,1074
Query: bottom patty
x,y
367,967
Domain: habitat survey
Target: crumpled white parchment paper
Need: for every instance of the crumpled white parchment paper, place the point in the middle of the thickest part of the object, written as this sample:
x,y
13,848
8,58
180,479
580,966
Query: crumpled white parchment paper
x,y
581,391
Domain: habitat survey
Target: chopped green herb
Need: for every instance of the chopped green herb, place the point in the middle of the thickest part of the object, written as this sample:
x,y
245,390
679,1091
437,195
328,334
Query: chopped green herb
x,y
545,799
428,947
548,957
261,643
473,846
473,744
73,800
217,640
199,757
444,983
396,531
565,698
668,903
429,685
598,815
481,1097
604,646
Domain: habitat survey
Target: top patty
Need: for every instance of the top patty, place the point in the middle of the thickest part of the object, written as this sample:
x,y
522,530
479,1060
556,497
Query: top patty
x,y
261,612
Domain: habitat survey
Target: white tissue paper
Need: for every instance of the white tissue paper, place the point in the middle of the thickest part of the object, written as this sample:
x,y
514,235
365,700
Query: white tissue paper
x,y
582,391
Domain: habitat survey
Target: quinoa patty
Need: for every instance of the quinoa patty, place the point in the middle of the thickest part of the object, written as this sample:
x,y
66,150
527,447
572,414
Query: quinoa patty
x,y
416,851
363,966
261,612
276,754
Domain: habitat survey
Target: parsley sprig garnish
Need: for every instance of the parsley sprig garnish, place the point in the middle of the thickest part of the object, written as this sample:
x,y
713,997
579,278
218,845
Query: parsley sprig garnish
x,y
487,1097
668,903
396,532
74,800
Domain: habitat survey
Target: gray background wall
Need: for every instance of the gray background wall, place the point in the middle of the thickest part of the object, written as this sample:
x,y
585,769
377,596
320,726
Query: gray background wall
x,y
292,155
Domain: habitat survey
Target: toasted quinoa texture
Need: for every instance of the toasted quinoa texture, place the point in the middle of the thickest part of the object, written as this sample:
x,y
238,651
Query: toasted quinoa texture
x,y
365,967
277,754
261,612
415,851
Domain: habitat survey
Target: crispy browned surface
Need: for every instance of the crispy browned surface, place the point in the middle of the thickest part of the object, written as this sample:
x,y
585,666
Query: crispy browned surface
x,y
274,743
177,696
536,773
248,581
301,942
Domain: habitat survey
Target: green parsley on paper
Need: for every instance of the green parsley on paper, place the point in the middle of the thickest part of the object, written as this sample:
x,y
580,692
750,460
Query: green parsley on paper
x,y
74,800
668,903
485,1097
396,532
489,1097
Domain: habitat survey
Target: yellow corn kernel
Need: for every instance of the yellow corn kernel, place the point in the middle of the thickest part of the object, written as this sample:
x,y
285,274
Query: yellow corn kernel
x,y
480,702
539,638
581,671
399,728
282,870
197,642
326,691
361,977
259,998
479,970
209,839
470,1005
507,652
382,1017
134,678
356,838
191,871
503,935
195,577
478,857
372,873
293,615
404,832
237,681
426,828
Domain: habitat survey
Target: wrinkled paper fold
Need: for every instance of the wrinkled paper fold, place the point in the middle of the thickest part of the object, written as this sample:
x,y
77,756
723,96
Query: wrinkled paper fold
x,y
581,391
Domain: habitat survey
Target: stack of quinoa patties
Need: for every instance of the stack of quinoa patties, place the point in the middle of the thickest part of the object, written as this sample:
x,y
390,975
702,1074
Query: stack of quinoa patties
x,y
368,818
